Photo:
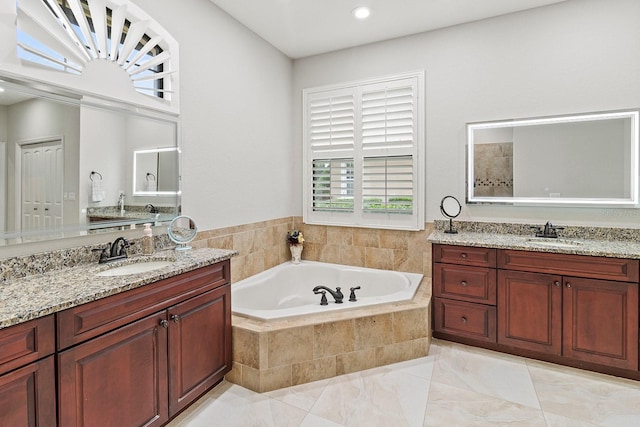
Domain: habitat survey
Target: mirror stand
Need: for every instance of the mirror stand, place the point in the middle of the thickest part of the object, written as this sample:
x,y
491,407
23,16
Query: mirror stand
x,y
450,208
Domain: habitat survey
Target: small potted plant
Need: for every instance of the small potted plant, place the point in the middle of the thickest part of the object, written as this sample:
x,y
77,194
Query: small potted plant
x,y
295,240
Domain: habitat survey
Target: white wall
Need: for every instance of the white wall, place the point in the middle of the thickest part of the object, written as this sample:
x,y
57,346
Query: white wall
x,y
576,56
238,160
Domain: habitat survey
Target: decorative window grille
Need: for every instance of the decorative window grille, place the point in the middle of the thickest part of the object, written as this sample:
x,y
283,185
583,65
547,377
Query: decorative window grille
x,y
363,148
65,35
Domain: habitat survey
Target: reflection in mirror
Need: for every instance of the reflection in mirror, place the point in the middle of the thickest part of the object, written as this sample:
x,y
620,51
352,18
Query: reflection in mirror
x,y
155,172
587,159
65,160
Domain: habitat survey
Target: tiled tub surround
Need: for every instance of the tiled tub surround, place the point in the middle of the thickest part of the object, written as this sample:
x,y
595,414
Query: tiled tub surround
x,y
280,353
262,245
49,291
593,241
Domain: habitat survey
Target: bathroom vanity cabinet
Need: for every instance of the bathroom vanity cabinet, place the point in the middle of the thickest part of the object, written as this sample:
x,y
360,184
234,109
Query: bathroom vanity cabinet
x,y
27,374
139,357
574,309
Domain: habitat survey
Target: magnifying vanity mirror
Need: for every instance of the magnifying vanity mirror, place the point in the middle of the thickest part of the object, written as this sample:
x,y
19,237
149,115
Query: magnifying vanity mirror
x,y
450,207
584,159
182,230
67,164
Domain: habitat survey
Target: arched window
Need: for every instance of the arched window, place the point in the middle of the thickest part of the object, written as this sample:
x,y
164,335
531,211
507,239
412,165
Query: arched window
x,y
65,35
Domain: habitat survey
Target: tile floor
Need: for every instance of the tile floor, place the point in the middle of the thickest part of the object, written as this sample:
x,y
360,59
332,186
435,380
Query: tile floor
x,y
455,385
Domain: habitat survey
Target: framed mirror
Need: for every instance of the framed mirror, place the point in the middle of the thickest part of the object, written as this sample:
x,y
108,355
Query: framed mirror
x,y
66,160
155,172
583,159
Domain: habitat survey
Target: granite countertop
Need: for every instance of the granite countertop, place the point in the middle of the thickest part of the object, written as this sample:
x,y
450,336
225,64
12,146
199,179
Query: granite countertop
x,y
34,296
563,245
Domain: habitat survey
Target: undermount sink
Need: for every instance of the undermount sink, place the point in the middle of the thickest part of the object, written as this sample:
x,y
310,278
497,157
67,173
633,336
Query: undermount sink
x,y
139,267
556,243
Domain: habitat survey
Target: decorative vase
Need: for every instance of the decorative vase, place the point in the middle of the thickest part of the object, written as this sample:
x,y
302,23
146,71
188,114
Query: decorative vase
x,y
296,251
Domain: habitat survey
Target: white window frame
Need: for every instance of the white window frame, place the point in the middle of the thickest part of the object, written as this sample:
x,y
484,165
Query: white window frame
x,y
357,217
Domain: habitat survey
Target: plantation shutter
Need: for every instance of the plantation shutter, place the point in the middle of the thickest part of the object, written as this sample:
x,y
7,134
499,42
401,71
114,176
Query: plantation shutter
x,y
362,154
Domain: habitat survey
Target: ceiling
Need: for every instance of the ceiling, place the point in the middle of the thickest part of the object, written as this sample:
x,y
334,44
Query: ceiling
x,y
302,28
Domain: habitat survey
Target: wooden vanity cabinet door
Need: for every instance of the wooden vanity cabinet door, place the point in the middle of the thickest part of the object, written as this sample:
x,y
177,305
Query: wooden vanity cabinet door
x,y
117,379
28,395
601,322
530,311
199,346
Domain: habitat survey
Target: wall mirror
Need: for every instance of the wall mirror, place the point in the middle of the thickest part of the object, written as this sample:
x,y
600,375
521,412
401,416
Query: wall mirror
x,y
67,158
155,172
583,159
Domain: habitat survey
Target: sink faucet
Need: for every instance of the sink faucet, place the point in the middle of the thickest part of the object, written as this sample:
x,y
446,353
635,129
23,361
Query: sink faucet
x,y
337,294
549,231
113,251
151,208
119,248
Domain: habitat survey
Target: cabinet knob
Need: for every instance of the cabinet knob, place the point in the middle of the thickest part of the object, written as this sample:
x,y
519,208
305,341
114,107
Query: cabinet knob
x,y
463,319
463,255
463,283
568,285
164,323
556,284
175,318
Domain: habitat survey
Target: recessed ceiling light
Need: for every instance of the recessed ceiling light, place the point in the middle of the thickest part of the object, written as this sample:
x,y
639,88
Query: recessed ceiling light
x,y
1,89
361,12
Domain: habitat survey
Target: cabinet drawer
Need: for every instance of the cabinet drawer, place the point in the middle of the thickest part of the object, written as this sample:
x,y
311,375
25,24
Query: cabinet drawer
x,y
619,269
465,319
89,320
466,283
24,343
467,255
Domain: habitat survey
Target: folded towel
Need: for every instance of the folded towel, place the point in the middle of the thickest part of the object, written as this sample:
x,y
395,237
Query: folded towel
x,y
97,194
152,186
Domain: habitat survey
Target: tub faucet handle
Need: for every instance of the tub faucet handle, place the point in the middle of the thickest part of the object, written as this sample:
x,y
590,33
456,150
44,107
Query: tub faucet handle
x,y
323,299
352,296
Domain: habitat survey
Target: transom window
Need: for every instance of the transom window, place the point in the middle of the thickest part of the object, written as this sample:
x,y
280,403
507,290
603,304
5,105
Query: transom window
x,y
65,35
363,148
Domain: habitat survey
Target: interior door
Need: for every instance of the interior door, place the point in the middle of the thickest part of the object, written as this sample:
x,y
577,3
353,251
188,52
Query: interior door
x,y
41,185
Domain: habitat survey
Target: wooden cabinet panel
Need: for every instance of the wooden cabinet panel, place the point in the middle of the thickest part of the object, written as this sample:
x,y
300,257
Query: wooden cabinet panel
x,y
601,322
466,255
465,319
622,270
28,395
199,346
530,311
26,342
117,379
86,321
465,283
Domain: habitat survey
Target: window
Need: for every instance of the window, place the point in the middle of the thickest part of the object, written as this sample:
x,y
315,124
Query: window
x,y
363,149
66,34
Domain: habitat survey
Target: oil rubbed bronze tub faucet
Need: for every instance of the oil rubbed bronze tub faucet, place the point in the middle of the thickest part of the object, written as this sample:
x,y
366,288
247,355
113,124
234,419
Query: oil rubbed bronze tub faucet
x,y
337,294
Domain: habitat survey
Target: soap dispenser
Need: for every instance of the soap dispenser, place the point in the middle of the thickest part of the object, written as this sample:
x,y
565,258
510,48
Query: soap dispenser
x,y
147,239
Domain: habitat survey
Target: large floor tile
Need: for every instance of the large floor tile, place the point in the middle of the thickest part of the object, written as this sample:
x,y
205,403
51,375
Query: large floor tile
x,y
594,398
378,397
452,406
494,374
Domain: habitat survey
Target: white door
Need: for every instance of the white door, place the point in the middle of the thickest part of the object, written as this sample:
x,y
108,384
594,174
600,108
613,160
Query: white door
x,y
41,185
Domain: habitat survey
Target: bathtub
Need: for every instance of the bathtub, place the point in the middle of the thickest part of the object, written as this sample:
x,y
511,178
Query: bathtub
x,y
287,290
